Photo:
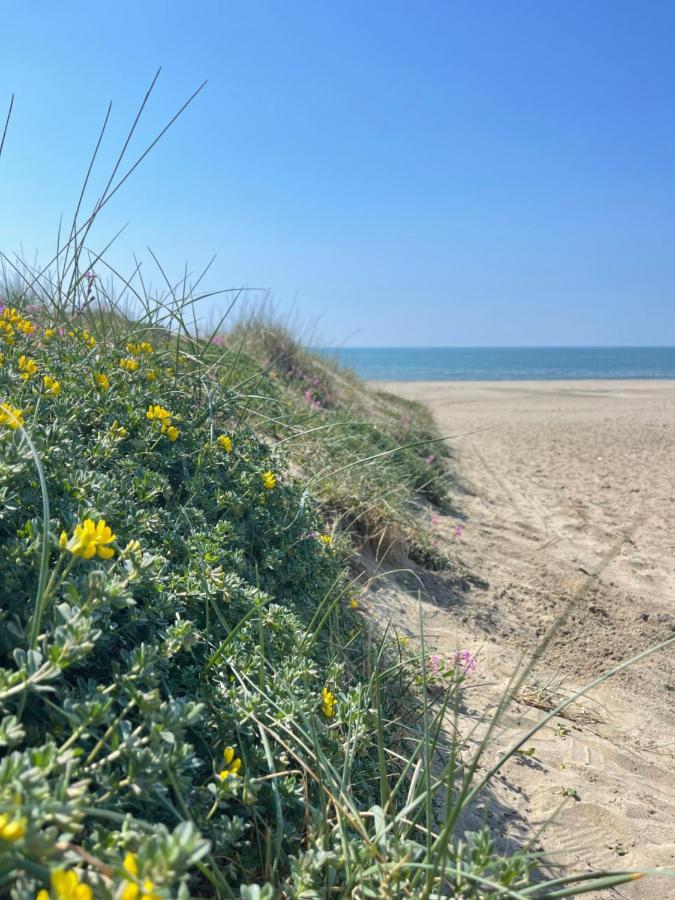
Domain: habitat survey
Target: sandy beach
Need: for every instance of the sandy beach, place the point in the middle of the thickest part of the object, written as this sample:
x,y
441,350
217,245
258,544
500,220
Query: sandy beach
x,y
566,496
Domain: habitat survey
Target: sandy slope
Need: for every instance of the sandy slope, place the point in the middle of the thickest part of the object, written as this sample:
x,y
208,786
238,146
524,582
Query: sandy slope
x,y
568,502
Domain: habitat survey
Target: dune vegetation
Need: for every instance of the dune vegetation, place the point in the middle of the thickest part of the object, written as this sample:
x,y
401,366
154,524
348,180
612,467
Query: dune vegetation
x,y
192,701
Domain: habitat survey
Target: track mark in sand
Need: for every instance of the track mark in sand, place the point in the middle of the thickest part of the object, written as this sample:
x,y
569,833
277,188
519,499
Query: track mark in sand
x,y
532,511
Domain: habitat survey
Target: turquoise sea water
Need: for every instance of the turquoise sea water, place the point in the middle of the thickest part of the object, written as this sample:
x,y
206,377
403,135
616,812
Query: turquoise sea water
x,y
506,363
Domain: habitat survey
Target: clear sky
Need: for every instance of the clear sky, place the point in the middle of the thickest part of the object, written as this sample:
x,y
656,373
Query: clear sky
x,y
403,173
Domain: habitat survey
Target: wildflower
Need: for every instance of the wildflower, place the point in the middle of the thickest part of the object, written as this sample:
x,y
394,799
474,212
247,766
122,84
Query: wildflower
x,y
66,885
11,314
89,539
87,339
232,764
27,367
218,341
435,664
49,333
225,442
133,890
353,603
10,415
8,331
101,381
128,364
269,480
151,374
465,662
159,413
25,326
118,431
52,386
327,703
11,829
171,432
142,347
326,539
458,530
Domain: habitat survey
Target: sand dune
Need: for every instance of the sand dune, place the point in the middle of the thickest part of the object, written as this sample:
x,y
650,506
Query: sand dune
x,y
567,496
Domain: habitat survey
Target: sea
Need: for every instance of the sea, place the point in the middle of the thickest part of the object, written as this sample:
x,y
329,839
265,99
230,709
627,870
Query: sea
x,y
505,363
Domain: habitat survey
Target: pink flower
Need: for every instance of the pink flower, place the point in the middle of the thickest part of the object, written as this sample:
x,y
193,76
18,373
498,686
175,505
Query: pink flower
x,y
465,662
218,341
458,530
435,664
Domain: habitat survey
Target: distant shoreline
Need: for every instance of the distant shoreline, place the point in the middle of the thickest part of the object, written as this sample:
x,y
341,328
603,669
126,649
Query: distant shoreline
x,y
479,364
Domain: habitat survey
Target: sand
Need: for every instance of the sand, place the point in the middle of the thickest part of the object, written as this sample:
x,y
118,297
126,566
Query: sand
x,y
566,496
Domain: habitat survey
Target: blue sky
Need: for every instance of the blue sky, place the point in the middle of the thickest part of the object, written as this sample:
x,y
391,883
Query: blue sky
x,y
427,173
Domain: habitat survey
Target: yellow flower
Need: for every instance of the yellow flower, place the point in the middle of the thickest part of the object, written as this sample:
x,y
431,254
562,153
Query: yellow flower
x,y
128,364
89,539
11,829
269,480
232,764
225,442
7,330
25,326
102,381
327,703
171,432
49,333
52,387
11,314
27,367
145,347
132,889
118,431
158,412
151,374
326,539
66,885
353,603
10,415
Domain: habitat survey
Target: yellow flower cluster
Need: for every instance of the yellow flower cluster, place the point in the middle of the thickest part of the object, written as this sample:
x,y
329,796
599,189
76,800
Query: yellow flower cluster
x,y
128,364
326,539
225,442
133,889
89,539
327,703
87,339
12,319
66,885
269,480
10,415
11,829
101,381
27,366
142,347
52,386
163,417
232,764
49,333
